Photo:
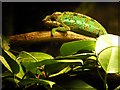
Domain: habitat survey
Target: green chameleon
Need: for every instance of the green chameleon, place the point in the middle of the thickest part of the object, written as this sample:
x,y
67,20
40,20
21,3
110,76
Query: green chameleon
x,y
76,22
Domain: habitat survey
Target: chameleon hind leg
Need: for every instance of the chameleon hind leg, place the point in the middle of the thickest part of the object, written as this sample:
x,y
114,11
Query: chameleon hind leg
x,y
61,29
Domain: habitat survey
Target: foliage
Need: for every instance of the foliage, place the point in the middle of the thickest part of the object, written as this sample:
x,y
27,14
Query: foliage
x,y
36,68
107,50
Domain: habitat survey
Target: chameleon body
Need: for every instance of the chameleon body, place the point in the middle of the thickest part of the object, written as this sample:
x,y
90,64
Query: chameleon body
x,y
76,22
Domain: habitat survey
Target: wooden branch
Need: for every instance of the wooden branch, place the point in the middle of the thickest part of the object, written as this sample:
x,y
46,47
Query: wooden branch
x,y
45,36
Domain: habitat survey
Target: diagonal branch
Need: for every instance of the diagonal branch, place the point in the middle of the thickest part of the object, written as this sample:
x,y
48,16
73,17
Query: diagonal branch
x,y
45,36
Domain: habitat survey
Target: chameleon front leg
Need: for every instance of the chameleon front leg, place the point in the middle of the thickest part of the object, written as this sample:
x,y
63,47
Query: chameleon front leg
x,y
61,29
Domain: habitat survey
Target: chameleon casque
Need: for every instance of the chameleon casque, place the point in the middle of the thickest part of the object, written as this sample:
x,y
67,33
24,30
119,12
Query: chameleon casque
x,y
76,22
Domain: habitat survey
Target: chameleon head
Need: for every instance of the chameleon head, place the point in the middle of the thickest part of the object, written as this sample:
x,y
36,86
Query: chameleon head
x,y
52,19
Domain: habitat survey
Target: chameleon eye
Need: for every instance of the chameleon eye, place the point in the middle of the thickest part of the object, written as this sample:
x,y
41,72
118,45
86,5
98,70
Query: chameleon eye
x,y
97,35
66,18
53,19
75,14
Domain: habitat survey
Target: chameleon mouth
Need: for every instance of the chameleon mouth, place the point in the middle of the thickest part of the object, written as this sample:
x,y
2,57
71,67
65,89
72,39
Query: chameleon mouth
x,y
47,18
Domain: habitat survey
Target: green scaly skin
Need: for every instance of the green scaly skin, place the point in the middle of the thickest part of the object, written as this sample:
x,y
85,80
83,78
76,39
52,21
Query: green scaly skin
x,y
76,22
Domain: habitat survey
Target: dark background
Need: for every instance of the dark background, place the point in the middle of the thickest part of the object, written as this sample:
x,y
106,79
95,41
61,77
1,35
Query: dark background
x,y
22,17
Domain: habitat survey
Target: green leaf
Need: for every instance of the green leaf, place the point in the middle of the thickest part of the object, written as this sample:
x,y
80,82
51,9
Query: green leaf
x,y
29,65
72,84
36,71
110,60
61,66
12,56
7,74
76,56
25,82
9,58
55,68
10,77
13,63
105,41
32,60
49,82
21,73
4,62
117,88
34,56
75,46
107,49
65,70
78,84
9,82
4,42
71,61
29,74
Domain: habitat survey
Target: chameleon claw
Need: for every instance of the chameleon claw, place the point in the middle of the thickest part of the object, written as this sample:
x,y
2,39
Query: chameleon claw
x,y
53,31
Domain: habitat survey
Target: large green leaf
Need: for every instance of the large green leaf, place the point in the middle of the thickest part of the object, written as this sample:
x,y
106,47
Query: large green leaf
x,y
76,56
60,66
4,62
32,60
9,82
64,70
72,84
12,64
105,41
55,68
75,46
107,50
109,59
9,61
29,65
34,56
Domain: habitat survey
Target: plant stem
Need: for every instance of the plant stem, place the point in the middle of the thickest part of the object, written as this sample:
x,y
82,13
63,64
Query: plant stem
x,y
103,79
